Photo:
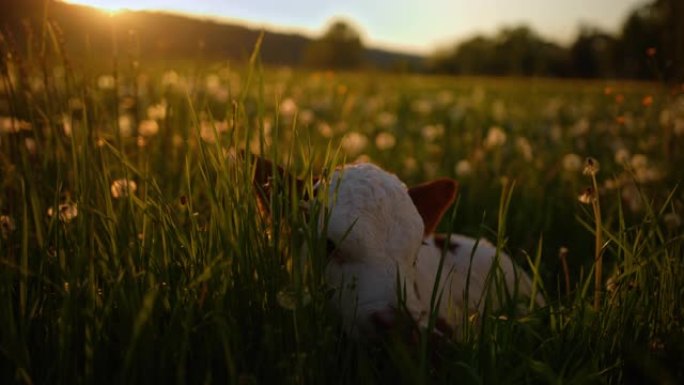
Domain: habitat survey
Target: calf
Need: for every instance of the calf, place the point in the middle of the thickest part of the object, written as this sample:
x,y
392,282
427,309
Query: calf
x,y
380,234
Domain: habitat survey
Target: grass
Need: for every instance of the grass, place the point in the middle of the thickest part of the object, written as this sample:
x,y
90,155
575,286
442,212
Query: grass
x,y
180,280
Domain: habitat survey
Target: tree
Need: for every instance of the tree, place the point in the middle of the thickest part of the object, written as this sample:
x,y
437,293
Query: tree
x,y
339,48
593,54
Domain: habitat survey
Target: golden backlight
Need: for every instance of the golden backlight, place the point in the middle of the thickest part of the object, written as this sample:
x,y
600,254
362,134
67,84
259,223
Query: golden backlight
x,y
110,6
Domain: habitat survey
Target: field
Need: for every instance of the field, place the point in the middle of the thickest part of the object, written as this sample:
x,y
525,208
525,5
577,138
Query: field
x,y
132,250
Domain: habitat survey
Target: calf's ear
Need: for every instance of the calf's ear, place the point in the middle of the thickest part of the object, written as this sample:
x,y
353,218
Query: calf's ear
x,y
432,199
270,179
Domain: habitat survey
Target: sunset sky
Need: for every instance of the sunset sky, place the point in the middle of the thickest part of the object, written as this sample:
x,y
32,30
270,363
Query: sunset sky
x,y
414,26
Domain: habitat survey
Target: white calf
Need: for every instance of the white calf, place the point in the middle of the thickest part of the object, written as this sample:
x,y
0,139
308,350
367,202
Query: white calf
x,y
380,233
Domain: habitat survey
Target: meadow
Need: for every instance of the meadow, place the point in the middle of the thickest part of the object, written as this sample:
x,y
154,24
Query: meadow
x,y
132,250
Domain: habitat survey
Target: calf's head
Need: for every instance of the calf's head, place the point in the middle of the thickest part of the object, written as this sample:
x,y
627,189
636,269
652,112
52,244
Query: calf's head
x,y
375,227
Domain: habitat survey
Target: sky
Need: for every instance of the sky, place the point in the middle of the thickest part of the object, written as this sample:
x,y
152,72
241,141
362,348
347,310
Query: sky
x,y
416,26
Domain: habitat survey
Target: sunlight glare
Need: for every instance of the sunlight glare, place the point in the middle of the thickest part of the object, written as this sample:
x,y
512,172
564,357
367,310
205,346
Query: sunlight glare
x,y
112,7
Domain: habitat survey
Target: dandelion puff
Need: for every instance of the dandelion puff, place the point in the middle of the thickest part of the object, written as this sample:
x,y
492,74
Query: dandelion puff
x,y
386,119
354,142
463,168
496,137
622,156
591,166
672,221
524,147
65,211
639,162
287,107
588,196
385,141
572,162
106,82
7,226
148,128
11,125
157,111
325,130
30,144
126,125
122,188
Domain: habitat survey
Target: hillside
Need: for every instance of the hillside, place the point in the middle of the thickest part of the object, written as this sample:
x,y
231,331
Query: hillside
x,y
153,35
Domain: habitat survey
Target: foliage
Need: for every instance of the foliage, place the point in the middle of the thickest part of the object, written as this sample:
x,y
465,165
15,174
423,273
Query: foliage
x,y
340,47
649,46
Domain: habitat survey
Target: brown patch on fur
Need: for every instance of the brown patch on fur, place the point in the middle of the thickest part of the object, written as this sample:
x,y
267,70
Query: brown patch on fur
x,y
432,199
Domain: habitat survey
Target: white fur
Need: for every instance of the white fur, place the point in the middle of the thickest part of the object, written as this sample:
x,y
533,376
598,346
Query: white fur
x,y
379,236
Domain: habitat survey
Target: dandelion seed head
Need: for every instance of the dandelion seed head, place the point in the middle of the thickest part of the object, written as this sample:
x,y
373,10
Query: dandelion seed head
x,y
386,119
524,147
325,130
622,156
126,125
591,166
639,162
106,82
12,125
157,111
572,162
306,117
410,165
354,142
148,128
385,141
66,212
170,79
672,221
496,137
463,168
287,107
432,132
588,196
122,188
7,226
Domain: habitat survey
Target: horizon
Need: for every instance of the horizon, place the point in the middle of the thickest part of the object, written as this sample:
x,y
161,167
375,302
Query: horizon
x,y
418,31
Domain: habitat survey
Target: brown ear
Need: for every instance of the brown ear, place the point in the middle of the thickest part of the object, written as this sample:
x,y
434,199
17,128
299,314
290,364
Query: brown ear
x,y
265,172
432,199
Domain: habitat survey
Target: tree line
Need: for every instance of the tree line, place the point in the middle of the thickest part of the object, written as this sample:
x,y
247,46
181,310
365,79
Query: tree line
x,y
650,45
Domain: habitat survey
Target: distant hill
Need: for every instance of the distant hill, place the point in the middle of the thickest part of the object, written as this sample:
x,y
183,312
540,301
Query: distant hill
x,y
153,35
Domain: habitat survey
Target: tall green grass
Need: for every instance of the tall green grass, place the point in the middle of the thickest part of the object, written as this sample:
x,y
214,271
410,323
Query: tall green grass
x,y
182,281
